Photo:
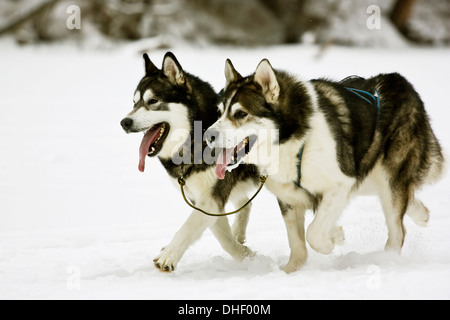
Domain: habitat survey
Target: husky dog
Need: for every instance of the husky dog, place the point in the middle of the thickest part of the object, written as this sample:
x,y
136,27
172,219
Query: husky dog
x,y
167,103
366,136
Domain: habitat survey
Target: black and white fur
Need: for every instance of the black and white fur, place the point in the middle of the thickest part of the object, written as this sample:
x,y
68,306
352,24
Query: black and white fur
x,y
348,149
170,100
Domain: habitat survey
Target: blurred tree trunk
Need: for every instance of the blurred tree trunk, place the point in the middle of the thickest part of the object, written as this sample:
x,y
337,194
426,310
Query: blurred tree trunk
x,y
34,10
290,13
401,13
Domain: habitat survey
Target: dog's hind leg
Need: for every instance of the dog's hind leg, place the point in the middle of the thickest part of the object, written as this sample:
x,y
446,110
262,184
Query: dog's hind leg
x,y
395,204
294,218
393,213
239,228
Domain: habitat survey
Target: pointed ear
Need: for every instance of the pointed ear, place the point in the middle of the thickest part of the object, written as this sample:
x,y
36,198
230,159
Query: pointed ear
x,y
231,75
149,66
266,78
172,69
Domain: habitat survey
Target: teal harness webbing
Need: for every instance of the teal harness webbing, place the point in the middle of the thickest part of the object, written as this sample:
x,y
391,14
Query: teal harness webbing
x,y
366,95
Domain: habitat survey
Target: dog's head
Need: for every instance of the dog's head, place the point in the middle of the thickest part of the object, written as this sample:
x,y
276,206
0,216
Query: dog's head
x,y
246,130
159,109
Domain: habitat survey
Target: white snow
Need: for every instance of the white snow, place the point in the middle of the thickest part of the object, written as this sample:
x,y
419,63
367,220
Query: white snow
x,y
78,220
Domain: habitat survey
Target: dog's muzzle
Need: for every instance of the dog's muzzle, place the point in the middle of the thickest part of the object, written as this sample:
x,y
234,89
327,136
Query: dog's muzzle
x,y
127,124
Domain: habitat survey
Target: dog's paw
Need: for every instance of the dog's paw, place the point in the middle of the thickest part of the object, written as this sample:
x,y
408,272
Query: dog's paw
x,y
293,265
239,236
419,213
163,267
337,236
290,268
167,260
239,231
320,242
241,253
247,253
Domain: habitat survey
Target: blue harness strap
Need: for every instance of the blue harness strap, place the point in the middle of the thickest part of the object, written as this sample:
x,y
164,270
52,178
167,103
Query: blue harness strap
x,y
364,95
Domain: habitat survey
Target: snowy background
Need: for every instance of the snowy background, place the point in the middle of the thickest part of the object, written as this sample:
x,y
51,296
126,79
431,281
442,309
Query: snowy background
x,y
79,221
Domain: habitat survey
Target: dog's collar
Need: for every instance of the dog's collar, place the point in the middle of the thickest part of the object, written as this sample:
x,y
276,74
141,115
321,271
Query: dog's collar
x,y
182,182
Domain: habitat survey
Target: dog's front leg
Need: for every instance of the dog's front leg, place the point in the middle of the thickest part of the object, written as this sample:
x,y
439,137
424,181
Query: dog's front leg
x,y
294,218
191,231
240,223
323,233
222,231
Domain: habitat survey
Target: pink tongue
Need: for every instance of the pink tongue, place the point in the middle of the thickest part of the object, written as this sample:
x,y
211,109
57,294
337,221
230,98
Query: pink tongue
x,y
149,137
223,160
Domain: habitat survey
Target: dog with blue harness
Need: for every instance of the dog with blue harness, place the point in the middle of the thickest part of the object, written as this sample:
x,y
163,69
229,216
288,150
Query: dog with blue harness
x,y
335,140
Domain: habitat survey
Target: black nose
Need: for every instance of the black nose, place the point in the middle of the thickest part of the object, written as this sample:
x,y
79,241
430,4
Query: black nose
x,y
126,124
211,136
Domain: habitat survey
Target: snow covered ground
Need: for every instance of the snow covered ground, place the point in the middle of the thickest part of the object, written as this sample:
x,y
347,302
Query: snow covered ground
x,y
77,219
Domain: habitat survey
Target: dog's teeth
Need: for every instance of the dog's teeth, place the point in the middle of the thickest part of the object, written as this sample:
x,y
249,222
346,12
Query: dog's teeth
x,y
161,131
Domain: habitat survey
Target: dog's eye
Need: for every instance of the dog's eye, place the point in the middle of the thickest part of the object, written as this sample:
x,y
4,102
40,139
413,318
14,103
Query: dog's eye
x,y
218,112
152,101
240,114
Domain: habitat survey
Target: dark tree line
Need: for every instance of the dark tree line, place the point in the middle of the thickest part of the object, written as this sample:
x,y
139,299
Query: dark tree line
x,y
234,22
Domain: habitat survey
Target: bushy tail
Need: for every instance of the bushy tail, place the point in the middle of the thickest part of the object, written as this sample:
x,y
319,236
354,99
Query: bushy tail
x,y
438,167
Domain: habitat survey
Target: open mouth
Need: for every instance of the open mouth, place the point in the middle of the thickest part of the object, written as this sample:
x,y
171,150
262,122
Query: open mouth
x,y
152,142
230,158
